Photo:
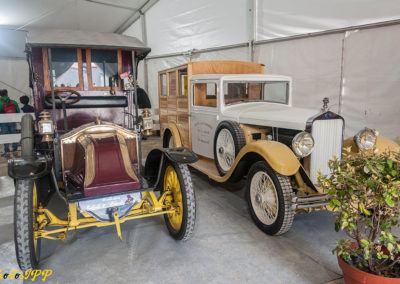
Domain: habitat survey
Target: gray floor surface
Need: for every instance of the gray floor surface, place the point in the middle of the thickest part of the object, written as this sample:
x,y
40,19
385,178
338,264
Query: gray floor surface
x,y
226,246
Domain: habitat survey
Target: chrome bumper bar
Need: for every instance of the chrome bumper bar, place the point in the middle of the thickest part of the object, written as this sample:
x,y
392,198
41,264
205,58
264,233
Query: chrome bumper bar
x,y
311,201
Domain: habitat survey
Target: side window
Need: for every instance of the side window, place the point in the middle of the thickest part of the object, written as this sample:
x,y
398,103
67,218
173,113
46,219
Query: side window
x,y
163,82
172,84
104,66
65,68
205,94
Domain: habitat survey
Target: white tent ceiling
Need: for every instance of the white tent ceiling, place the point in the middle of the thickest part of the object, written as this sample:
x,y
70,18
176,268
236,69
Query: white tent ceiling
x,y
18,16
92,15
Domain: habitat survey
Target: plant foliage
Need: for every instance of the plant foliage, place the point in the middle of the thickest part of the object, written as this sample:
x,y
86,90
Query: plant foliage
x,y
365,197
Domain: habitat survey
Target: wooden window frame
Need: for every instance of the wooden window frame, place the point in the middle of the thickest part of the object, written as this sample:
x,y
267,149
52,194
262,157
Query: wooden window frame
x,y
176,84
47,75
206,97
161,86
89,70
181,73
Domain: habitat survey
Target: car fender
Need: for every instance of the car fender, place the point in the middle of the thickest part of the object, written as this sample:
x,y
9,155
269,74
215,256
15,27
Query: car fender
x,y
158,157
173,128
279,156
382,144
32,168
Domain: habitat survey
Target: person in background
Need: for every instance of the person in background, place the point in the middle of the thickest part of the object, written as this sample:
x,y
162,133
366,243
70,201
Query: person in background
x,y
8,106
27,108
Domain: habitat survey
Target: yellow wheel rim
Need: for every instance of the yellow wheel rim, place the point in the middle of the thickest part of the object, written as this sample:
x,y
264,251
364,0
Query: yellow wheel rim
x,y
171,185
34,213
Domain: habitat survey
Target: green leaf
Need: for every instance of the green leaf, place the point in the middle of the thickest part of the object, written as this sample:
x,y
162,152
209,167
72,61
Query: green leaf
x,y
394,173
389,201
353,226
364,243
390,164
390,247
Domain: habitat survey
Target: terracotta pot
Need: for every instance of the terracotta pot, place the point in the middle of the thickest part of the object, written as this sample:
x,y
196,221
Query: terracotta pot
x,y
353,275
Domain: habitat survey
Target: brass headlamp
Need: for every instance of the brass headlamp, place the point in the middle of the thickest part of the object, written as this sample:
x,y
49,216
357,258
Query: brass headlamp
x,y
46,127
147,122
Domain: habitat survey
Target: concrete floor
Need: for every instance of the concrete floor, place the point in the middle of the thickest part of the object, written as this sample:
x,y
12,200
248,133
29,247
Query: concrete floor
x,y
226,246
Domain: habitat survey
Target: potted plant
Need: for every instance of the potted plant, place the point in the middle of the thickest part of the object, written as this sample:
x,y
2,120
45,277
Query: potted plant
x,y
364,194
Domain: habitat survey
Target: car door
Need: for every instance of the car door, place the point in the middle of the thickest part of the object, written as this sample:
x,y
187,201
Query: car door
x,y
204,116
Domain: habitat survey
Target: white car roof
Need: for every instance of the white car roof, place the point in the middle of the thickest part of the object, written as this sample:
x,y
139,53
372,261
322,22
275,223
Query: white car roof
x,y
239,77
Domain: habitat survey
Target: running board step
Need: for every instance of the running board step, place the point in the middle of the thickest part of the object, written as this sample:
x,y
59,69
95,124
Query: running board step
x,y
311,201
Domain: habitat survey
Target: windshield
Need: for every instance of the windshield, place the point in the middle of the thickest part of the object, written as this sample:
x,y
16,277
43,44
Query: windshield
x,y
272,91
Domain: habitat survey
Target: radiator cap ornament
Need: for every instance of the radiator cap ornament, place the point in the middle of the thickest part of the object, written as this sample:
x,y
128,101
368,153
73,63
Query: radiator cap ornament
x,y
325,102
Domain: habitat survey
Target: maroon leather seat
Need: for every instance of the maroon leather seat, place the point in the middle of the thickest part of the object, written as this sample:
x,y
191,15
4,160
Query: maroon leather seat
x,y
102,165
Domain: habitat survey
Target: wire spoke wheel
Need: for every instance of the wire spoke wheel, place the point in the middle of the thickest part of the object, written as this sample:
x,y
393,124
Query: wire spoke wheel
x,y
171,184
269,196
228,141
225,149
180,197
264,198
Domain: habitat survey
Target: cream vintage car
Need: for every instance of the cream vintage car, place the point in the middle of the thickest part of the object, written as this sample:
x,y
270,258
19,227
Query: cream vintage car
x,y
241,123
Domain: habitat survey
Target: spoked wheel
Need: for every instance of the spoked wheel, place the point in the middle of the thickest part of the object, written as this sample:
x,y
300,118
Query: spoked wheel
x,y
269,199
27,247
229,139
178,184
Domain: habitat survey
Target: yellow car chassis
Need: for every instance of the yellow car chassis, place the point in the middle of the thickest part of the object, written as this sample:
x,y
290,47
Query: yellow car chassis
x,y
149,206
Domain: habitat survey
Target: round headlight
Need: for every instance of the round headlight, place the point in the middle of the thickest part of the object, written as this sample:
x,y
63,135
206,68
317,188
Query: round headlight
x,y
365,139
303,144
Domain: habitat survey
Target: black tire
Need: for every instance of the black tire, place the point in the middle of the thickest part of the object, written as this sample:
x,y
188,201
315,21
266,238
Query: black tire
x,y
27,256
188,203
27,136
284,218
238,138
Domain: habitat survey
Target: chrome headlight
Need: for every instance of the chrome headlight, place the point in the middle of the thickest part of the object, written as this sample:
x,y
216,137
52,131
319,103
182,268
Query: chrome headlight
x,y
303,144
365,139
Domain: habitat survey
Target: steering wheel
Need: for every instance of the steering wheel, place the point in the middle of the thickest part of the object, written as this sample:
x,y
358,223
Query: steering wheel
x,y
64,99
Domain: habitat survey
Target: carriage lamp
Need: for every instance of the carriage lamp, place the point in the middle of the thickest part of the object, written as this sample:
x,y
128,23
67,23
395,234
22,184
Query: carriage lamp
x,y
366,139
46,127
147,122
303,144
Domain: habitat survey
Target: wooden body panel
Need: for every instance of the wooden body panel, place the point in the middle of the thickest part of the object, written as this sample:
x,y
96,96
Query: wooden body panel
x,y
175,106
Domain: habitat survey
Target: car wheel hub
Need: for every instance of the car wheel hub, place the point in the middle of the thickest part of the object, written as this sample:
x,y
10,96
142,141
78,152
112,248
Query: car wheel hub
x,y
264,198
226,150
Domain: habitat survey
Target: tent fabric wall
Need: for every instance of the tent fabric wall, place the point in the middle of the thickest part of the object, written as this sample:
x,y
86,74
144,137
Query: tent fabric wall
x,y
14,76
285,18
12,43
135,30
181,25
313,63
371,80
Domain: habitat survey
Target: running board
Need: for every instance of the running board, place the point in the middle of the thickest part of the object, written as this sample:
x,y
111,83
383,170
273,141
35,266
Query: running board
x,y
311,201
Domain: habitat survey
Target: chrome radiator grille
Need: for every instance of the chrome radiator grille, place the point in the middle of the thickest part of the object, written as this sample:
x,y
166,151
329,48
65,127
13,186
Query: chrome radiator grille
x,y
328,140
